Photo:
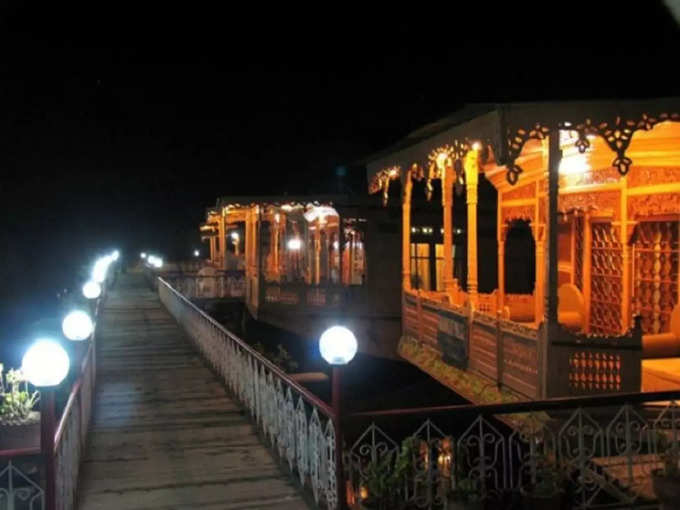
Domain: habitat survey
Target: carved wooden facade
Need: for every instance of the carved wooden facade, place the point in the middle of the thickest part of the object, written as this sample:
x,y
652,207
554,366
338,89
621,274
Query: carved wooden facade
x,y
311,262
599,186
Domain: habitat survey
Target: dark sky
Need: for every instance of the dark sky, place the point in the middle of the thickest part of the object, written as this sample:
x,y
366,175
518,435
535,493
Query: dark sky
x,y
119,125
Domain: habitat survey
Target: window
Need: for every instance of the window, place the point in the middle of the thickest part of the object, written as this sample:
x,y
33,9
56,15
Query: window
x,y
427,266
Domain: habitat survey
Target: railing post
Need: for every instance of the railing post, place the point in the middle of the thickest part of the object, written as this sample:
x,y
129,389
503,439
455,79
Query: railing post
x,y
337,425
47,432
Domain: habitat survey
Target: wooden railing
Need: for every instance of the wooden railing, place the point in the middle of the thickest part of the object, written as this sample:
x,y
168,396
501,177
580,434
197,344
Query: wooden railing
x,y
298,425
510,354
303,295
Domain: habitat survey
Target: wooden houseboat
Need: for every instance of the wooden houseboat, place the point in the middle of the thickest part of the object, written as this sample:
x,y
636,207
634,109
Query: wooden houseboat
x,y
582,296
310,262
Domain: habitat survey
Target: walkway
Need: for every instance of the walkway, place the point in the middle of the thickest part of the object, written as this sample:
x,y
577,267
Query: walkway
x,y
165,433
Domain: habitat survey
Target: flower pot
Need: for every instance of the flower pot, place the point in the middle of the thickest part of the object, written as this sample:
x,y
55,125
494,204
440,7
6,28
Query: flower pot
x,y
532,502
667,490
21,436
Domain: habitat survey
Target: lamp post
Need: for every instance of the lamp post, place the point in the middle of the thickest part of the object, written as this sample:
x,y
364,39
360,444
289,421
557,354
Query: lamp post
x,y
45,365
338,345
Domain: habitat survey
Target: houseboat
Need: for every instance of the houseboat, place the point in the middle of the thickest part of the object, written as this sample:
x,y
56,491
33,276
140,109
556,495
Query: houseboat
x,y
313,261
571,287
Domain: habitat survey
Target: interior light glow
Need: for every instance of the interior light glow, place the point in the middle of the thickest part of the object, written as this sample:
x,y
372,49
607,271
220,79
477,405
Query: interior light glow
x,y
294,244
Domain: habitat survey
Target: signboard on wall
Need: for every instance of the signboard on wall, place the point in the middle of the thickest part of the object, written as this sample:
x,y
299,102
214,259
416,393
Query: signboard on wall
x,y
452,337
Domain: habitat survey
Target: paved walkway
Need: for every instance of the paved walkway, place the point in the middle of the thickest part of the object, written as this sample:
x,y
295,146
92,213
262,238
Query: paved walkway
x,y
165,433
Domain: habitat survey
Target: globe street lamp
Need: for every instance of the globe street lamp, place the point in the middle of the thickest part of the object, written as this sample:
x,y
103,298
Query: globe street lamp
x,y
45,365
338,346
77,326
142,255
92,290
197,253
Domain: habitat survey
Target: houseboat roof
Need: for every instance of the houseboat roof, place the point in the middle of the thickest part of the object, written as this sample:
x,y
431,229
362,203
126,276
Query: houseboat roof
x,y
507,126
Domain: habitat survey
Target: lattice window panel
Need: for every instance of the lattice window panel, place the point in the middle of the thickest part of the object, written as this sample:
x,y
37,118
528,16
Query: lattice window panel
x,y
594,372
578,252
606,280
656,253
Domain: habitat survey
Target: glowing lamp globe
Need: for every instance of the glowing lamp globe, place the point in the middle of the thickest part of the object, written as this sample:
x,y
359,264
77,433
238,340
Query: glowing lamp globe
x,y
234,236
77,326
338,345
100,269
196,253
92,290
142,255
115,255
158,263
45,364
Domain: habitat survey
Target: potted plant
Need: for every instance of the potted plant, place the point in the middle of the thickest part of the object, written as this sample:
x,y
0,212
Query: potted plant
x,y
384,477
19,423
666,480
546,490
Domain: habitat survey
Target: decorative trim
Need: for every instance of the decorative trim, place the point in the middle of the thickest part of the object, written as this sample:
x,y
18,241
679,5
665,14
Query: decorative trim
x,y
382,180
640,206
518,212
520,192
601,200
644,176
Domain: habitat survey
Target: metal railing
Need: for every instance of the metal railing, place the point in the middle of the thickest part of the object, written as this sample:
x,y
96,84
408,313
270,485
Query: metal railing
x,y
298,425
47,477
600,450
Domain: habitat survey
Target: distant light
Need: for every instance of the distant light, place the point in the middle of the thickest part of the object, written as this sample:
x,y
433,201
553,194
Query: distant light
x,y
336,244
115,255
77,326
142,255
277,217
158,262
476,146
45,364
338,345
92,290
574,164
101,267
196,253
235,236
294,244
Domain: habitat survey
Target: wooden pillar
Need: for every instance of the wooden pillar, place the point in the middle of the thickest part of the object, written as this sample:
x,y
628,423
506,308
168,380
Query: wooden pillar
x,y
406,233
549,329
222,241
539,287
276,225
212,250
587,265
554,159
447,206
502,234
626,285
471,179
317,254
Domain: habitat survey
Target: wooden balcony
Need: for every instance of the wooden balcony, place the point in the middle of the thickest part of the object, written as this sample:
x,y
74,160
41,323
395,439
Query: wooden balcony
x,y
521,358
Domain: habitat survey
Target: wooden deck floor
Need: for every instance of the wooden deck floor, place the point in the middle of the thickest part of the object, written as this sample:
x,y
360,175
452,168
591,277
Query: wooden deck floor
x,y
165,433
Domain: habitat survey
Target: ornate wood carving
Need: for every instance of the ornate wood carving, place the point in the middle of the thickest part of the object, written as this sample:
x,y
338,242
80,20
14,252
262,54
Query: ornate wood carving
x,y
528,191
599,176
606,280
447,158
643,176
518,212
657,254
600,200
381,181
640,206
616,133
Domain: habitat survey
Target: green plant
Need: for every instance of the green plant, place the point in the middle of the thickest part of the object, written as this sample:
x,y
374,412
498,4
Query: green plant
x,y
466,489
16,401
384,476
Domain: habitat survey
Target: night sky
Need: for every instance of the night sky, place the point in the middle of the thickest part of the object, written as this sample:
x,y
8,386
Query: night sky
x,y
118,125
